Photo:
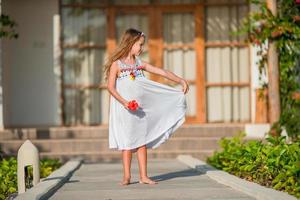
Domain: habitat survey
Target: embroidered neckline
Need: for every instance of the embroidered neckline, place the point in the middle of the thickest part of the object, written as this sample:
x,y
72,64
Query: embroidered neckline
x,y
131,74
131,70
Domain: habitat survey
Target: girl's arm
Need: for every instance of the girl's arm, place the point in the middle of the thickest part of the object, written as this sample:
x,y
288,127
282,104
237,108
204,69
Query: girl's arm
x,y
111,85
167,74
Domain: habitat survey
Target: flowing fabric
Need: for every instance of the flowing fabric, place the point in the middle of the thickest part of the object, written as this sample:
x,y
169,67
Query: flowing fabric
x,y
162,110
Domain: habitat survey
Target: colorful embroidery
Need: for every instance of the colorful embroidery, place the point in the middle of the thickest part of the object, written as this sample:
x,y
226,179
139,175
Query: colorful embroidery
x,y
133,73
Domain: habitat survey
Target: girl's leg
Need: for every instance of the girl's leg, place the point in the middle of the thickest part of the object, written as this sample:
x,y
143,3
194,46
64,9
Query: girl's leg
x,y
127,156
142,158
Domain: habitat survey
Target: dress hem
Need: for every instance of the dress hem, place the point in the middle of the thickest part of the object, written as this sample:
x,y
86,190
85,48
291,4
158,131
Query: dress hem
x,y
175,126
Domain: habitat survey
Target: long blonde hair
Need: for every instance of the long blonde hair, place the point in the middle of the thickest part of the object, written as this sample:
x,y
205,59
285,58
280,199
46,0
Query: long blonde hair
x,y
129,37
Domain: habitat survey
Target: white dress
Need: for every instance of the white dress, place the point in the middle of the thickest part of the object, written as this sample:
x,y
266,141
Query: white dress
x,y
162,110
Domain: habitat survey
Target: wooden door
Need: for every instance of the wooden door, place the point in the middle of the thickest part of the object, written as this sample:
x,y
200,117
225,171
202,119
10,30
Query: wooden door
x,y
188,39
181,53
178,47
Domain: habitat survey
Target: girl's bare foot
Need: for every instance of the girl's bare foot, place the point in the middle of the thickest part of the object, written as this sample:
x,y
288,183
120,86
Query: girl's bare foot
x,y
125,182
147,180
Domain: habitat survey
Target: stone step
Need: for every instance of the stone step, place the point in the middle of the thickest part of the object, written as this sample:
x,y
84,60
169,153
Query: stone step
x,y
87,145
55,133
91,142
210,130
116,156
205,130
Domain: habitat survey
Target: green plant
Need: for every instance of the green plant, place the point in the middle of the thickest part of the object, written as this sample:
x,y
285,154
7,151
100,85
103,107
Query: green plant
x,y
273,163
48,166
8,174
283,29
7,27
8,177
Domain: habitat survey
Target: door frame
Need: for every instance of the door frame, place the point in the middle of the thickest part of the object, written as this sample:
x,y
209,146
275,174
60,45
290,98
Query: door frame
x,y
156,45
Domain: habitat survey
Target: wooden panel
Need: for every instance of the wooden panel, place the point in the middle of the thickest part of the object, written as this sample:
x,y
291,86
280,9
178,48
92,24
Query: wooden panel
x,y
84,6
226,44
261,115
111,32
178,46
155,42
191,120
83,46
200,52
222,4
177,8
239,84
165,81
133,9
85,86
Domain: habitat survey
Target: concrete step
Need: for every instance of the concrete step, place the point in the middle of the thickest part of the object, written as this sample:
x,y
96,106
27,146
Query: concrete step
x,y
210,130
55,133
205,130
92,142
86,145
116,156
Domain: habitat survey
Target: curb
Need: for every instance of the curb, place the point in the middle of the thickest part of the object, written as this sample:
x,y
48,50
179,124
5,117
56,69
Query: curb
x,y
250,188
47,187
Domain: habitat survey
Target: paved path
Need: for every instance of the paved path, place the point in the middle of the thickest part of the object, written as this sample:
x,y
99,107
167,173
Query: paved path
x,y
175,181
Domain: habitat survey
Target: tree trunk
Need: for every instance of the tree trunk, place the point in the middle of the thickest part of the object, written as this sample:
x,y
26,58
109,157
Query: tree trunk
x,y
273,74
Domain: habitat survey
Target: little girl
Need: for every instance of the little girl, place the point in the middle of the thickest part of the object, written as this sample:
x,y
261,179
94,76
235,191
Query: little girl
x,y
143,113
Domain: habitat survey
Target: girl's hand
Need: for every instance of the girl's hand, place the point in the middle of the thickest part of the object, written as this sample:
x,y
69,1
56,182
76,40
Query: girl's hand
x,y
185,86
125,104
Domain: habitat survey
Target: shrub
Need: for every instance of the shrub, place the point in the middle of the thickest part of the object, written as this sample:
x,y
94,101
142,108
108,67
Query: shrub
x,y
8,177
274,163
8,174
283,30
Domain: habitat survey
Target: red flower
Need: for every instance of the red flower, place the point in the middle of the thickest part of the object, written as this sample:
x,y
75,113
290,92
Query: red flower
x,y
132,76
133,105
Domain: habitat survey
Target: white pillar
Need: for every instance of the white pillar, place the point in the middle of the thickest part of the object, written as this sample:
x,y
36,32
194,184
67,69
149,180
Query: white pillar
x,y
28,155
57,66
255,84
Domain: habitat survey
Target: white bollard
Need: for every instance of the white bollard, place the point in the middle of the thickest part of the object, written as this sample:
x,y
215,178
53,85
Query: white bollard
x,y
28,154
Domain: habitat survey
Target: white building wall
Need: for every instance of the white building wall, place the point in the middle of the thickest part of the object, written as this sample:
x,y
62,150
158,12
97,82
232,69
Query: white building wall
x,y
255,84
1,84
30,67
31,95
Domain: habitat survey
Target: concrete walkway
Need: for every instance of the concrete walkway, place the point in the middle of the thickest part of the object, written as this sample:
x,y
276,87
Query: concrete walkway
x,y
175,181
